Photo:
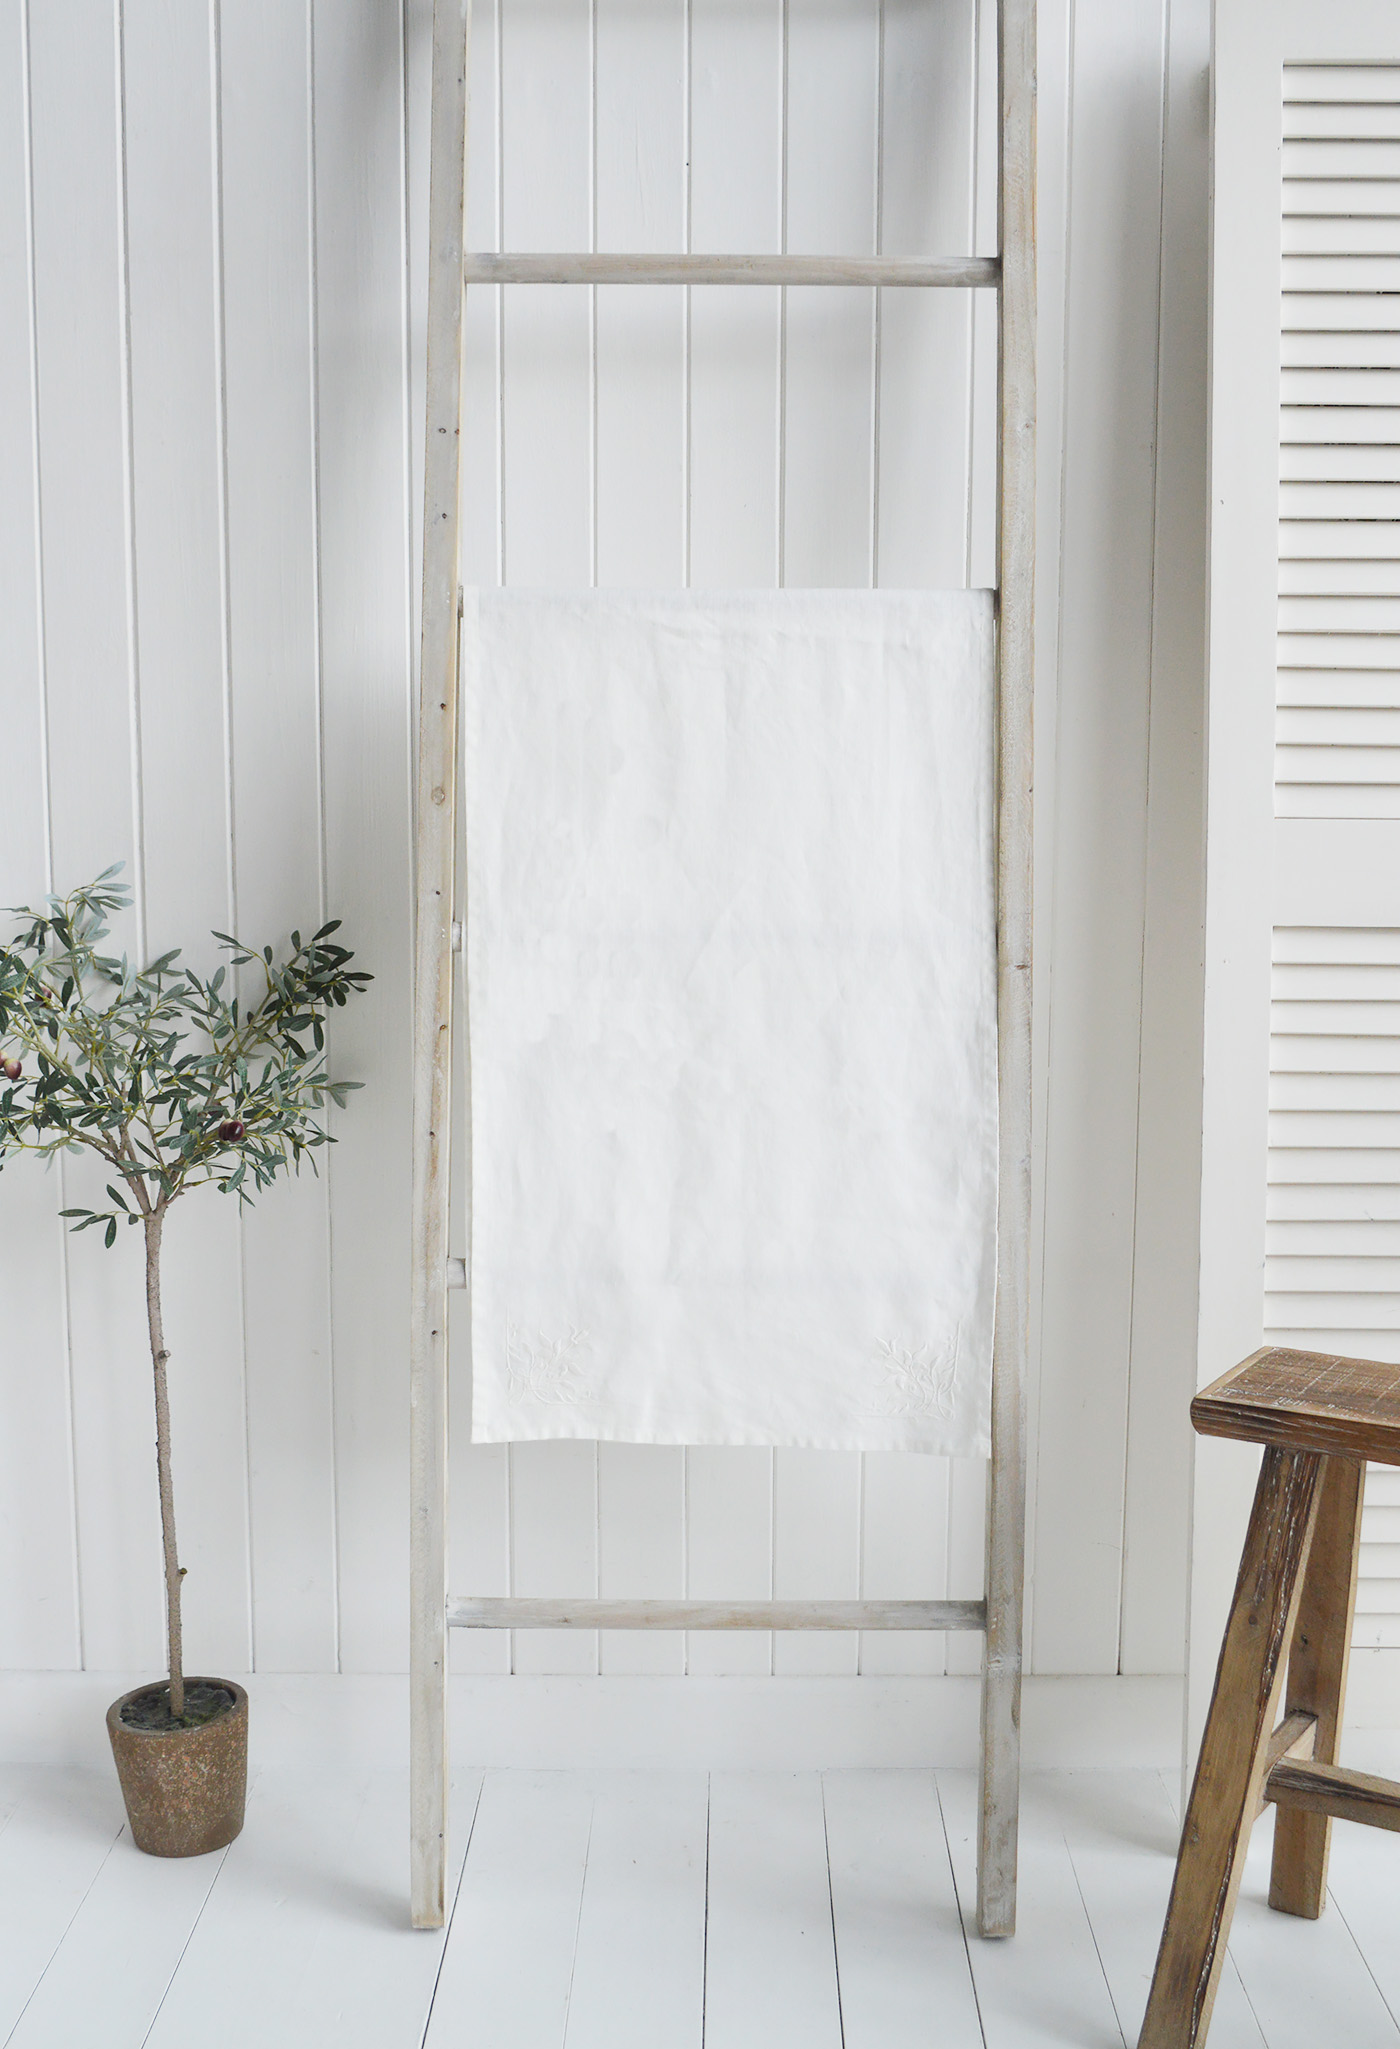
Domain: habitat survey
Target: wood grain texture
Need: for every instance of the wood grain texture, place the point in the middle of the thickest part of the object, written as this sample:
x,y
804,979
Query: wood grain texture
x,y
1230,1769
1330,1790
1006,1498
554,1613
677,268
434,975
1292,1737
1306,1401
1317,1680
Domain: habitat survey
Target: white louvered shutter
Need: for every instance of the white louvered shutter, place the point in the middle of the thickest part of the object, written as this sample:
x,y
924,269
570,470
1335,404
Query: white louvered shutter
x,y
1332,1270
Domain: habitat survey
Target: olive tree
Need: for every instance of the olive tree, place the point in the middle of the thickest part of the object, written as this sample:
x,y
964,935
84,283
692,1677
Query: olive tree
x,y
173,1079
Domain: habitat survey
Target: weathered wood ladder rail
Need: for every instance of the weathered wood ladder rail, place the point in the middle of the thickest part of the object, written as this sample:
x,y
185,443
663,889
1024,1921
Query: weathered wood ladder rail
x,y
999,1614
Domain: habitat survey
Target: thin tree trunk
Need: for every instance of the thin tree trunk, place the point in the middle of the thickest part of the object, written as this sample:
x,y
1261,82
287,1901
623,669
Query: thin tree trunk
x,y
155,1221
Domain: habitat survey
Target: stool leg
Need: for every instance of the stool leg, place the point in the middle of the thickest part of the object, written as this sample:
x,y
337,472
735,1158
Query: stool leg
x,y
1317,1678
1230,1769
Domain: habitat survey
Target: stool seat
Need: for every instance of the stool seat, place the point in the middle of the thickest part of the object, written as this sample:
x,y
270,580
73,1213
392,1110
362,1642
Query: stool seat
x,y
1319,1419
1306,1401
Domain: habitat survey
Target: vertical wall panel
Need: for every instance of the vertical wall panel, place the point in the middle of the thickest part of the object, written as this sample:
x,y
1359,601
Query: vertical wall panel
x,y
554,1547
479,1479
736,150
904,1554
641,1549
833,106
736,160
640,174
816,1552
358,102
640,74
1100,852
729,1550
1157,1485
277,810
547,203
39,1620
80,329
177,495
926,210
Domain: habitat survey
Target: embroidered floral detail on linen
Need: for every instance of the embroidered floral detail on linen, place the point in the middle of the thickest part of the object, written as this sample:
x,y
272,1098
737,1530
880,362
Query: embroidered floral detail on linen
x,y
919,1380
544,1369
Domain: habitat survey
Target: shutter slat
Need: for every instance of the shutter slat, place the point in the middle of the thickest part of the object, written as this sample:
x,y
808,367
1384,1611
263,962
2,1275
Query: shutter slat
x,y
1338,689
1314,540
1361,384
1345,157
1308,349
1334,762
1337,231
1318,1165
1329,426
1338,462
1328,1238
1340,800
1354,85
1349,1202
1347,1021
1339,501
1332,1053
1328,1092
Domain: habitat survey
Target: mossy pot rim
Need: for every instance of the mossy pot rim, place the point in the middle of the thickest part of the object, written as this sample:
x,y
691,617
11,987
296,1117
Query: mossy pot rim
x,y
238,1701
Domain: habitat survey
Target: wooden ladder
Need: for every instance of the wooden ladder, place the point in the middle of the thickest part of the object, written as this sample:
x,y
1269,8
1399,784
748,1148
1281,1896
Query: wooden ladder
x,y
999,1614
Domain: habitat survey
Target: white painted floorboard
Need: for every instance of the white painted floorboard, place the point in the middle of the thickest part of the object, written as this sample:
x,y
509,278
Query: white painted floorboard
x,y
58,1836
900,1949
639,1970
770,1954
656,1910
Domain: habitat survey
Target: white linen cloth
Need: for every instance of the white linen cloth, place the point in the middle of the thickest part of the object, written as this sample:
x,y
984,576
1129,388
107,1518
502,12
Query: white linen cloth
x,y
732,1005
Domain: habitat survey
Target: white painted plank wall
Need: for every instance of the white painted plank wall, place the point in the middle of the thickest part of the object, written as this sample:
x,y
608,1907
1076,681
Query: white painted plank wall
x,y
210,342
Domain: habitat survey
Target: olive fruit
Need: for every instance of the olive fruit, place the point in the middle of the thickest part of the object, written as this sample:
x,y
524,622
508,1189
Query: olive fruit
x,y
11,1069
232,1128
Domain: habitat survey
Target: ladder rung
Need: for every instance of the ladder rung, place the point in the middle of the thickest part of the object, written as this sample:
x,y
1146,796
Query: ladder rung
x,y
565,1614
730,270
1332,1789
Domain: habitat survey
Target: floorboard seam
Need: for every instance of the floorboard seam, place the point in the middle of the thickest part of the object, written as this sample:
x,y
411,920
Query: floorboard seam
x,y
184,1946
63,1937
1341,1916
705,1936
1094,1938
831,1905
578,1918
452,1912
962,1920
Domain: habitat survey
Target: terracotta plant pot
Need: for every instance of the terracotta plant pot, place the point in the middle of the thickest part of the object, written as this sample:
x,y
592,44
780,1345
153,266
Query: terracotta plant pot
x,y
183,1787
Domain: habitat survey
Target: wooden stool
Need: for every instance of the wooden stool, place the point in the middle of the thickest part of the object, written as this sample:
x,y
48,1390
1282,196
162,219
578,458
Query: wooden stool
x,y
1319,1419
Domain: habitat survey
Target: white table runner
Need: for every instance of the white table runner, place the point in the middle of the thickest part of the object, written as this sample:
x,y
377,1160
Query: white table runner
x,y
732,1011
